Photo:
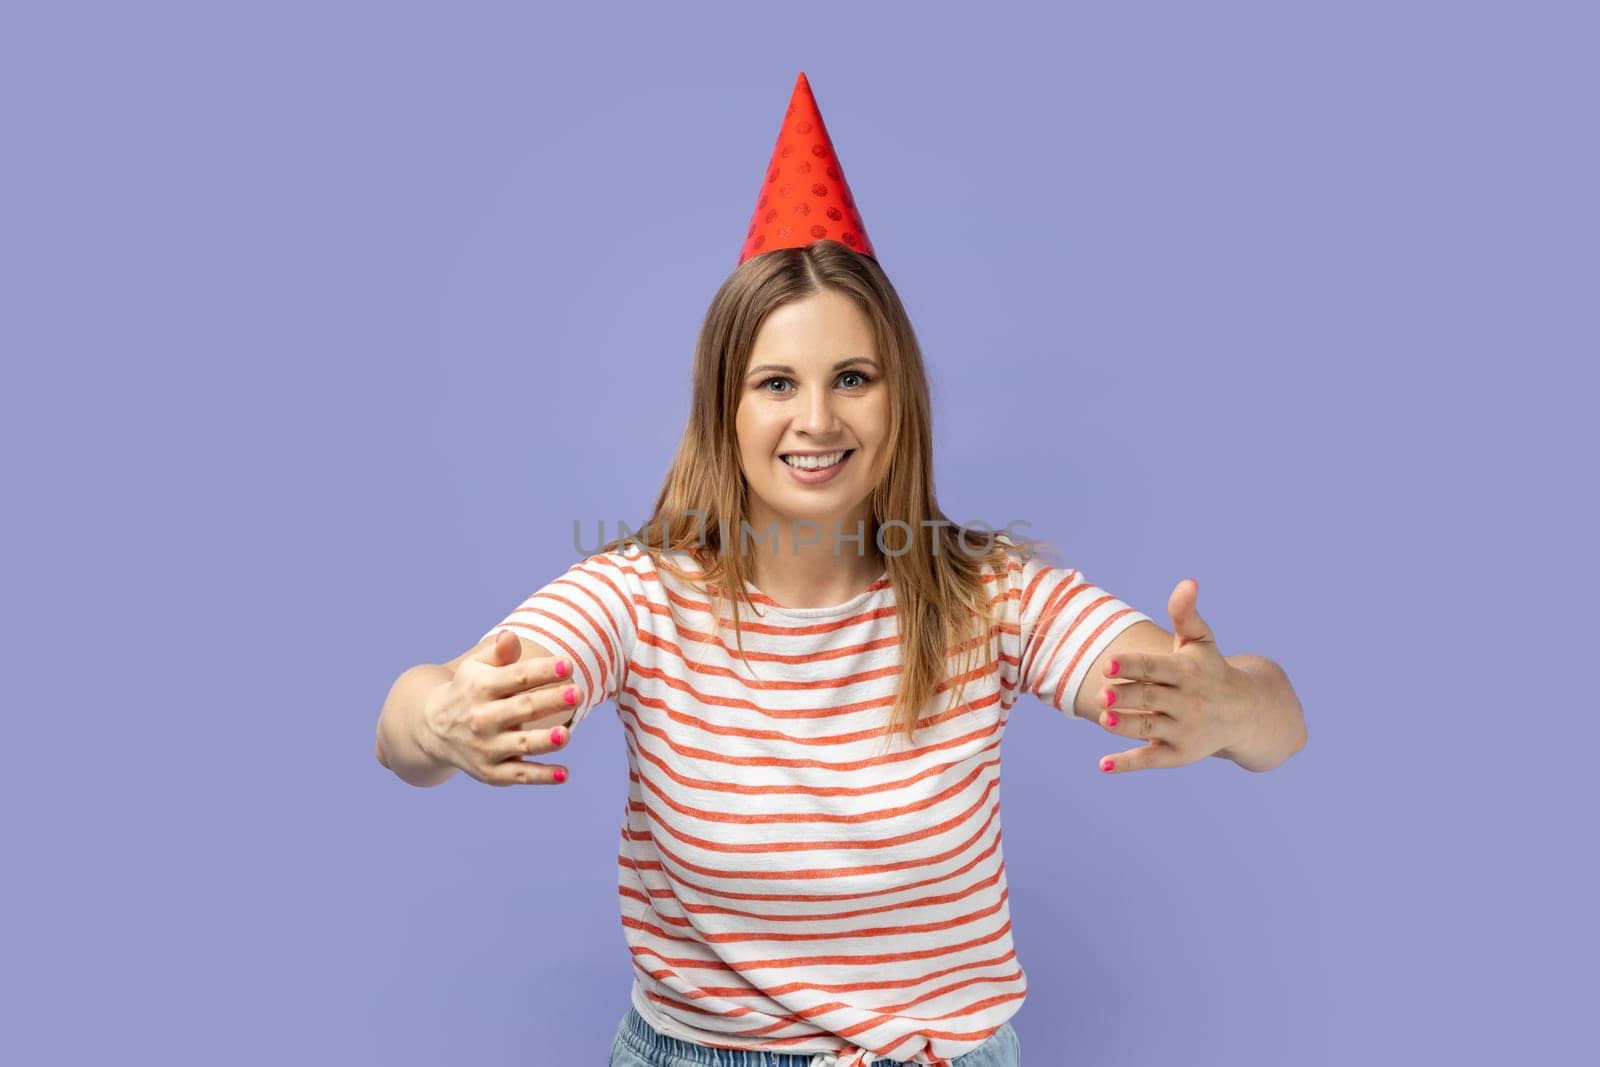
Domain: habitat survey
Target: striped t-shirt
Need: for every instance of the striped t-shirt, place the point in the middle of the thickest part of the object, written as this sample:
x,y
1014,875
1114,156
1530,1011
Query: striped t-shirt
x,y
786,883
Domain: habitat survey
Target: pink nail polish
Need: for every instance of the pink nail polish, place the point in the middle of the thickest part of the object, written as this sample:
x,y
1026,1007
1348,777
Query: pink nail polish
x,y
1111,697
1111,718
555,736
562,668
570,696
561,775
1114,668
1106,765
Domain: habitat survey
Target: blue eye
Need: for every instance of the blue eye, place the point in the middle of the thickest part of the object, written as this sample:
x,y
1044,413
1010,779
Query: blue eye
x,y
865,381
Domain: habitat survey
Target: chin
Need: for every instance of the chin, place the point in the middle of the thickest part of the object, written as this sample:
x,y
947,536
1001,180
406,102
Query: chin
x,y
821,511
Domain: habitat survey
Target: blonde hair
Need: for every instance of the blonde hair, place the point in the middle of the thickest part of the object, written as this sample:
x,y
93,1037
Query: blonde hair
x,y
938,580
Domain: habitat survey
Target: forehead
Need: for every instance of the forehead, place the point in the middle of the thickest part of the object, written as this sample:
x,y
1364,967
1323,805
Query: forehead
x,y
818,329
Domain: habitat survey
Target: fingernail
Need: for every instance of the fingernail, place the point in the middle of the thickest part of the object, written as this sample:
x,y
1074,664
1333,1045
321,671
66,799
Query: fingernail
x,y
561,775
570,696
562,668
555,736
1111,718
1114,668
1111,697
1105,765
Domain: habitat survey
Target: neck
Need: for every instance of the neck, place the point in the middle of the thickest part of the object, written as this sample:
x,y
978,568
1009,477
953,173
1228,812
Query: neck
x,y
803,564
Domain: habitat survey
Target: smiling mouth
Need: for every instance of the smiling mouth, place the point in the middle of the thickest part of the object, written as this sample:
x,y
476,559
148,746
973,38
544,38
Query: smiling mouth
x,y
817,463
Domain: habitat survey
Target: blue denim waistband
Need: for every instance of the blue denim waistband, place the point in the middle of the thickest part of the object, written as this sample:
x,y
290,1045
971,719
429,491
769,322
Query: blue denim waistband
x,y
659,1048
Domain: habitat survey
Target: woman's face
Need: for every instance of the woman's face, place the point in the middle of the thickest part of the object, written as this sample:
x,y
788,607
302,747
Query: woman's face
x,y
814,386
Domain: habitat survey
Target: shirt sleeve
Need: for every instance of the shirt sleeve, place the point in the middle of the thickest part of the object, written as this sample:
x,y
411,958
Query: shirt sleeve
x,y
1064,623
587,614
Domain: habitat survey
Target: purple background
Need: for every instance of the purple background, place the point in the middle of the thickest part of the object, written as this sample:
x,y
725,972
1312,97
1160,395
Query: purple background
x,y
323,322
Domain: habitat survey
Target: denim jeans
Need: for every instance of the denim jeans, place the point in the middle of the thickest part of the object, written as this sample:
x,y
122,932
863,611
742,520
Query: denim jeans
x,y
638,1045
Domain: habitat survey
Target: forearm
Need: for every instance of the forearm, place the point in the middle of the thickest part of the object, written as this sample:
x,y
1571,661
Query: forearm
x,y
397,746
1279,729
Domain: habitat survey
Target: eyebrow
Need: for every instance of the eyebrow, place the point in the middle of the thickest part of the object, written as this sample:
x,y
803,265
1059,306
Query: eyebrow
x,y
841,365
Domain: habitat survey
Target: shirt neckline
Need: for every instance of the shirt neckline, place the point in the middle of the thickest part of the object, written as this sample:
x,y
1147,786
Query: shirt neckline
x,y
876,588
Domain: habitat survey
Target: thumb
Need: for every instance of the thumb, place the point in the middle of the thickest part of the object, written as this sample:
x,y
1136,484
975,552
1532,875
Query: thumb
x,y
504,649
1187,625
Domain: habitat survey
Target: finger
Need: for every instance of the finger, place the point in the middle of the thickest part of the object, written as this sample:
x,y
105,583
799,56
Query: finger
x,y
525,772
1140,696
1142,725
532,705
1147,757
514,744
518,676
1163,668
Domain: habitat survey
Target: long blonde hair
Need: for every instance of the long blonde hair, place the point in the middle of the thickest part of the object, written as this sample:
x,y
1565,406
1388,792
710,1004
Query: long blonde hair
x,y
938,580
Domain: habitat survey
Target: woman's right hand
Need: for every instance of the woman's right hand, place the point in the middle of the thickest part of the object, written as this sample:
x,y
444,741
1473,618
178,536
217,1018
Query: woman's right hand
x,y
499,707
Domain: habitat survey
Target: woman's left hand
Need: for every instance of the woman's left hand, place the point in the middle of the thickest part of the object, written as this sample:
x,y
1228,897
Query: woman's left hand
x,y
1188,704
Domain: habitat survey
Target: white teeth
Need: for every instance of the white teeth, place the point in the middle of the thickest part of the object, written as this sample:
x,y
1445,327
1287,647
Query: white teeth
x,y
814,463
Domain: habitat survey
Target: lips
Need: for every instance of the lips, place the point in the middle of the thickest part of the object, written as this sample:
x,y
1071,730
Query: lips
x,y
813,462
819,475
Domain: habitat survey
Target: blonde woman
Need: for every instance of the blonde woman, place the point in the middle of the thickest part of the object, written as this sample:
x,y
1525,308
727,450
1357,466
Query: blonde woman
x,y
813,669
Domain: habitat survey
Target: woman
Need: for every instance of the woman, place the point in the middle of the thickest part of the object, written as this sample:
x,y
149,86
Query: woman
x,y
810,868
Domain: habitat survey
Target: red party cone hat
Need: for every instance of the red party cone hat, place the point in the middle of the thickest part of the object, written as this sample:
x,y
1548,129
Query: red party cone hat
x,y
804,197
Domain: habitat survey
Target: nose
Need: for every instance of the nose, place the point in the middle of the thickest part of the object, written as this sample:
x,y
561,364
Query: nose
x,y
817,416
